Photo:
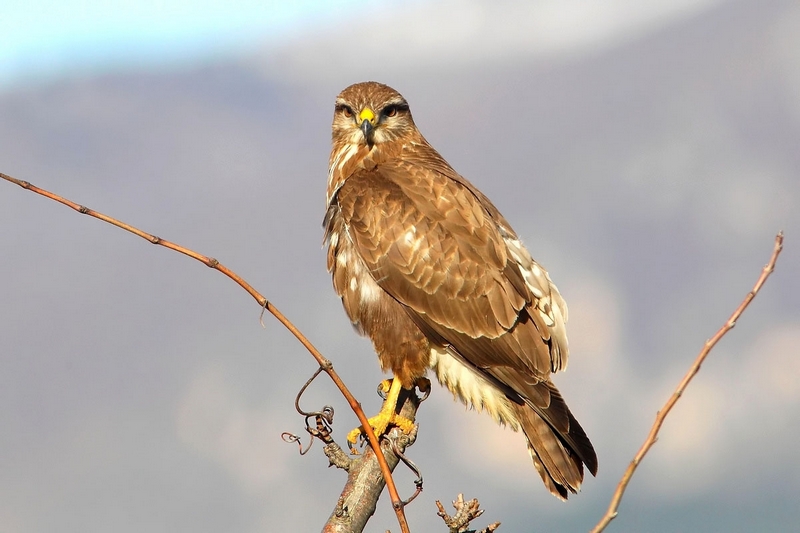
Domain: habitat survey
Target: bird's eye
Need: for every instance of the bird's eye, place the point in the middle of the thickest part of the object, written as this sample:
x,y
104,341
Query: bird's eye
x,y
345,110
392,110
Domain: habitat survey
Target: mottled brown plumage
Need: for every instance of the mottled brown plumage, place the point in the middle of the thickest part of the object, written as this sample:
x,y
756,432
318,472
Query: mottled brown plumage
x,y
429,269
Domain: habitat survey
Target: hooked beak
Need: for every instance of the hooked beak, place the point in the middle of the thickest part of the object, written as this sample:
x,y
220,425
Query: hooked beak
x,y
367,124
367,128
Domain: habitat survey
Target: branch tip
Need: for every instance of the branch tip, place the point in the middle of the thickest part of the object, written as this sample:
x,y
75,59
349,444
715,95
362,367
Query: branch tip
x,y
652,437
466,512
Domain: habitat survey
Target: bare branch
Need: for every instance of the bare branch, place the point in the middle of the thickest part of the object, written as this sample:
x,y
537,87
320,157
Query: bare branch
x,y
611,513
466,512
365,482
210,262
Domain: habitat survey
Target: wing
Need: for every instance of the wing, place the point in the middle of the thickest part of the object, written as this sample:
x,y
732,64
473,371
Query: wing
x,y
440,248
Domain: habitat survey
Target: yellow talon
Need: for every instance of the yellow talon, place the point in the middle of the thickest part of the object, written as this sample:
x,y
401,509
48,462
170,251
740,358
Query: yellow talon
x,y
387,416
384,387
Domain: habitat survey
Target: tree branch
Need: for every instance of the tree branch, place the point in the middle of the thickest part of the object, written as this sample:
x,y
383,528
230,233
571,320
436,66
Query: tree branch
x,y
365,482
611,513
210,262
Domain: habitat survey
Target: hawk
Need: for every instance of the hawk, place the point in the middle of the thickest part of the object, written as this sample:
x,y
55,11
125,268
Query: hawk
x,y
428,269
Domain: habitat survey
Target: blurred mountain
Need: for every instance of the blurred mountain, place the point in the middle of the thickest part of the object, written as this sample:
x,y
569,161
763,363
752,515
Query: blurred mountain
x,y
649,176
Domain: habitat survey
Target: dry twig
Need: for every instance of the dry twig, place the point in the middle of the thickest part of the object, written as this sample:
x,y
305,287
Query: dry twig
x,y
611,513
210,262
466,512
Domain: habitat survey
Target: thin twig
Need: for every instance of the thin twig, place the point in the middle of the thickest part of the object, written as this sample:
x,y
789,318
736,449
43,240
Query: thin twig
x,y
210,262
611,513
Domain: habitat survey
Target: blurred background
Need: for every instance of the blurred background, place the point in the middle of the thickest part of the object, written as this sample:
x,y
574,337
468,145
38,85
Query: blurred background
x,y
647,152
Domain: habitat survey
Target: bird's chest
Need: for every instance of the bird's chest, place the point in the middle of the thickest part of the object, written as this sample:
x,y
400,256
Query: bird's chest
x,y
401,346
361,296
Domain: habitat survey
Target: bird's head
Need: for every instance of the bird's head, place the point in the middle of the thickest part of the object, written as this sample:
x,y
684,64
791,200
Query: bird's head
x,y
371,114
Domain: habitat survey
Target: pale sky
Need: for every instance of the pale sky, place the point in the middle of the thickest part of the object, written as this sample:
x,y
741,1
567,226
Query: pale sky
x,y
47,39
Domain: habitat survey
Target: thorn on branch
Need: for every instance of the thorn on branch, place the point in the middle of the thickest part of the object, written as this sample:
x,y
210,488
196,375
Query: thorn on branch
x,y
466,512
264,303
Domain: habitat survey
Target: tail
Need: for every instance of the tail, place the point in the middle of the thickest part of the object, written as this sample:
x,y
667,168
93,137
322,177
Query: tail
x,y
557,443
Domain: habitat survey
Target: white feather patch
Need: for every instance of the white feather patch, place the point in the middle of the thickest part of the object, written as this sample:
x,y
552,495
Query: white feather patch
x,y
547,300
369,291
471,388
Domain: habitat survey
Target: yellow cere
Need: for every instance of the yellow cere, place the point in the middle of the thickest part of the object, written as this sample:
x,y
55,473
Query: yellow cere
x,y
367,114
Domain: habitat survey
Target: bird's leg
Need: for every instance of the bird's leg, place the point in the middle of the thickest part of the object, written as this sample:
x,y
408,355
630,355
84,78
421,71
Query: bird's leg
x,y
388,413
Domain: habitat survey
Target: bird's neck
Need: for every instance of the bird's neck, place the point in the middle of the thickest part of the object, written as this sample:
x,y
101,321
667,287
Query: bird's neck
x,y
348,158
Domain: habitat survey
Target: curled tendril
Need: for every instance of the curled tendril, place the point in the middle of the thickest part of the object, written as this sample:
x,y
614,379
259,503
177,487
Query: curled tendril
x,y
291,437
392,440
323,420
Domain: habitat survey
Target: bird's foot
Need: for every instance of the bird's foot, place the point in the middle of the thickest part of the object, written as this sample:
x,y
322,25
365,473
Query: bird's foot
x,y
389,389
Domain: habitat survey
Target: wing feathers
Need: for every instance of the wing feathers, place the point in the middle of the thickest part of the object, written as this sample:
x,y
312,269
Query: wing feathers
x,y
436,245
438,268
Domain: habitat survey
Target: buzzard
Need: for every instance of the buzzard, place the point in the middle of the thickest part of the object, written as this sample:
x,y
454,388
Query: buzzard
x,y
429,269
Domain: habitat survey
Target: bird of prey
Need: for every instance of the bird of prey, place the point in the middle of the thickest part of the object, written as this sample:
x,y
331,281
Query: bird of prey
x,y
429,269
